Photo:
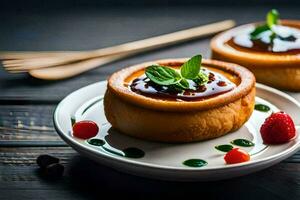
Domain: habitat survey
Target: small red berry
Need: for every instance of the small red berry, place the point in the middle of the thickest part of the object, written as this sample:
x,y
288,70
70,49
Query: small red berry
x,y
236,155
85,129
278,128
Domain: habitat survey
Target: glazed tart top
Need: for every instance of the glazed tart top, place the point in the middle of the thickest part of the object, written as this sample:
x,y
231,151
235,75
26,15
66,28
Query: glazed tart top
x,y
237,43
227,83
288,43
218,83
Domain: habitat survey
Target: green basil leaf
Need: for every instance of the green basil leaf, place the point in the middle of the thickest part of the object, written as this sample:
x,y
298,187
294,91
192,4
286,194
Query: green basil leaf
x,y
184,84
258,30
272,18
162,75
201,79
191,68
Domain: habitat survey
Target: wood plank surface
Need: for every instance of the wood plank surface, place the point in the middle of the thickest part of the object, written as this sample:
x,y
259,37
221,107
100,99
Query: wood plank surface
x,y
28,125
19,173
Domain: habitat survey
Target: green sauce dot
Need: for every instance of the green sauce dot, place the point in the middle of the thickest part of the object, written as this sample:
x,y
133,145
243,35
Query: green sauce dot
x,y
96,142
133,152
73,120
242,143
262,107
195,163
224,147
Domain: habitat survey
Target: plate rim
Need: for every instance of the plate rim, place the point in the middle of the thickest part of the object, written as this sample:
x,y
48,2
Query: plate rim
x,y
75,144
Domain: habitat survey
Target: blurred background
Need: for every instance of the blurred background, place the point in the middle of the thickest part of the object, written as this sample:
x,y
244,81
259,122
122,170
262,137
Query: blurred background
x,y
90,24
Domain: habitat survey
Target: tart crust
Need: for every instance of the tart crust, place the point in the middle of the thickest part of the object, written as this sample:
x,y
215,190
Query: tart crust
x,y
179,121
277,70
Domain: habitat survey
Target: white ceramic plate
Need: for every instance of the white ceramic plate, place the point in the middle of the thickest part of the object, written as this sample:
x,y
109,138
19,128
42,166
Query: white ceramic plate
x,y
164,161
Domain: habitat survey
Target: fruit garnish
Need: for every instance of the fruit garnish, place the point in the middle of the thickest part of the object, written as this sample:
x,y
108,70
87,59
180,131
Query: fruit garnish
x,y
278,128
85,129
236,155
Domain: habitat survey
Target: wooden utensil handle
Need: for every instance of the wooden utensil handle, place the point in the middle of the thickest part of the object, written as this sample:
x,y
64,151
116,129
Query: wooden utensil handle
x,y
73,69
8,55
145,44
160,41
131,47
106,55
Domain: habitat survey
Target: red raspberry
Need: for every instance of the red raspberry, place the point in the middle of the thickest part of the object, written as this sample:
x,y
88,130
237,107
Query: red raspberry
x,y
278,128
85,129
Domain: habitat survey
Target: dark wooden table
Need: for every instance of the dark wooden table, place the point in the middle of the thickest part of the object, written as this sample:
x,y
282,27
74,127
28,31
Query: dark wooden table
x,y
27,104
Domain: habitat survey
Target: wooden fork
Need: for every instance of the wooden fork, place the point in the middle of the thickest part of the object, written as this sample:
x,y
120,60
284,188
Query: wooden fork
x,y
27,61
73,69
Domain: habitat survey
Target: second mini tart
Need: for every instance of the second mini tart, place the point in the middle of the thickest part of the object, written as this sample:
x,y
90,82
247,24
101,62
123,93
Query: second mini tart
x,y
280,70
165,120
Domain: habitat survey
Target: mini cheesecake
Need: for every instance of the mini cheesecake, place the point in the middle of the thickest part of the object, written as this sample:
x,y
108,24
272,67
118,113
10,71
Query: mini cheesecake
x,y
276,64
137,107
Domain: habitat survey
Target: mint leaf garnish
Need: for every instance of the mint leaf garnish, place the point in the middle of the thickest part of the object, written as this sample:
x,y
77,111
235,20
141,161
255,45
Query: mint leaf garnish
x,y
258,30
201,79
272,18
175,81
162,75
184,84
191,68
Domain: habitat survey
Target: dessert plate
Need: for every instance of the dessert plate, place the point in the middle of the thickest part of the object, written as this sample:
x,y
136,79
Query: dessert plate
x,y
165,161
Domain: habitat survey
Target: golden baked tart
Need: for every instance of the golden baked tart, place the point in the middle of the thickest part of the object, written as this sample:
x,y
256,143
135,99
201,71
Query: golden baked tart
x,y
271,50
179,100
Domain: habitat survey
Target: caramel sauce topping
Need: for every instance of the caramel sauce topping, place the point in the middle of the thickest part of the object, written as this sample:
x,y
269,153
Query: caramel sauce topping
x,y
218,84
